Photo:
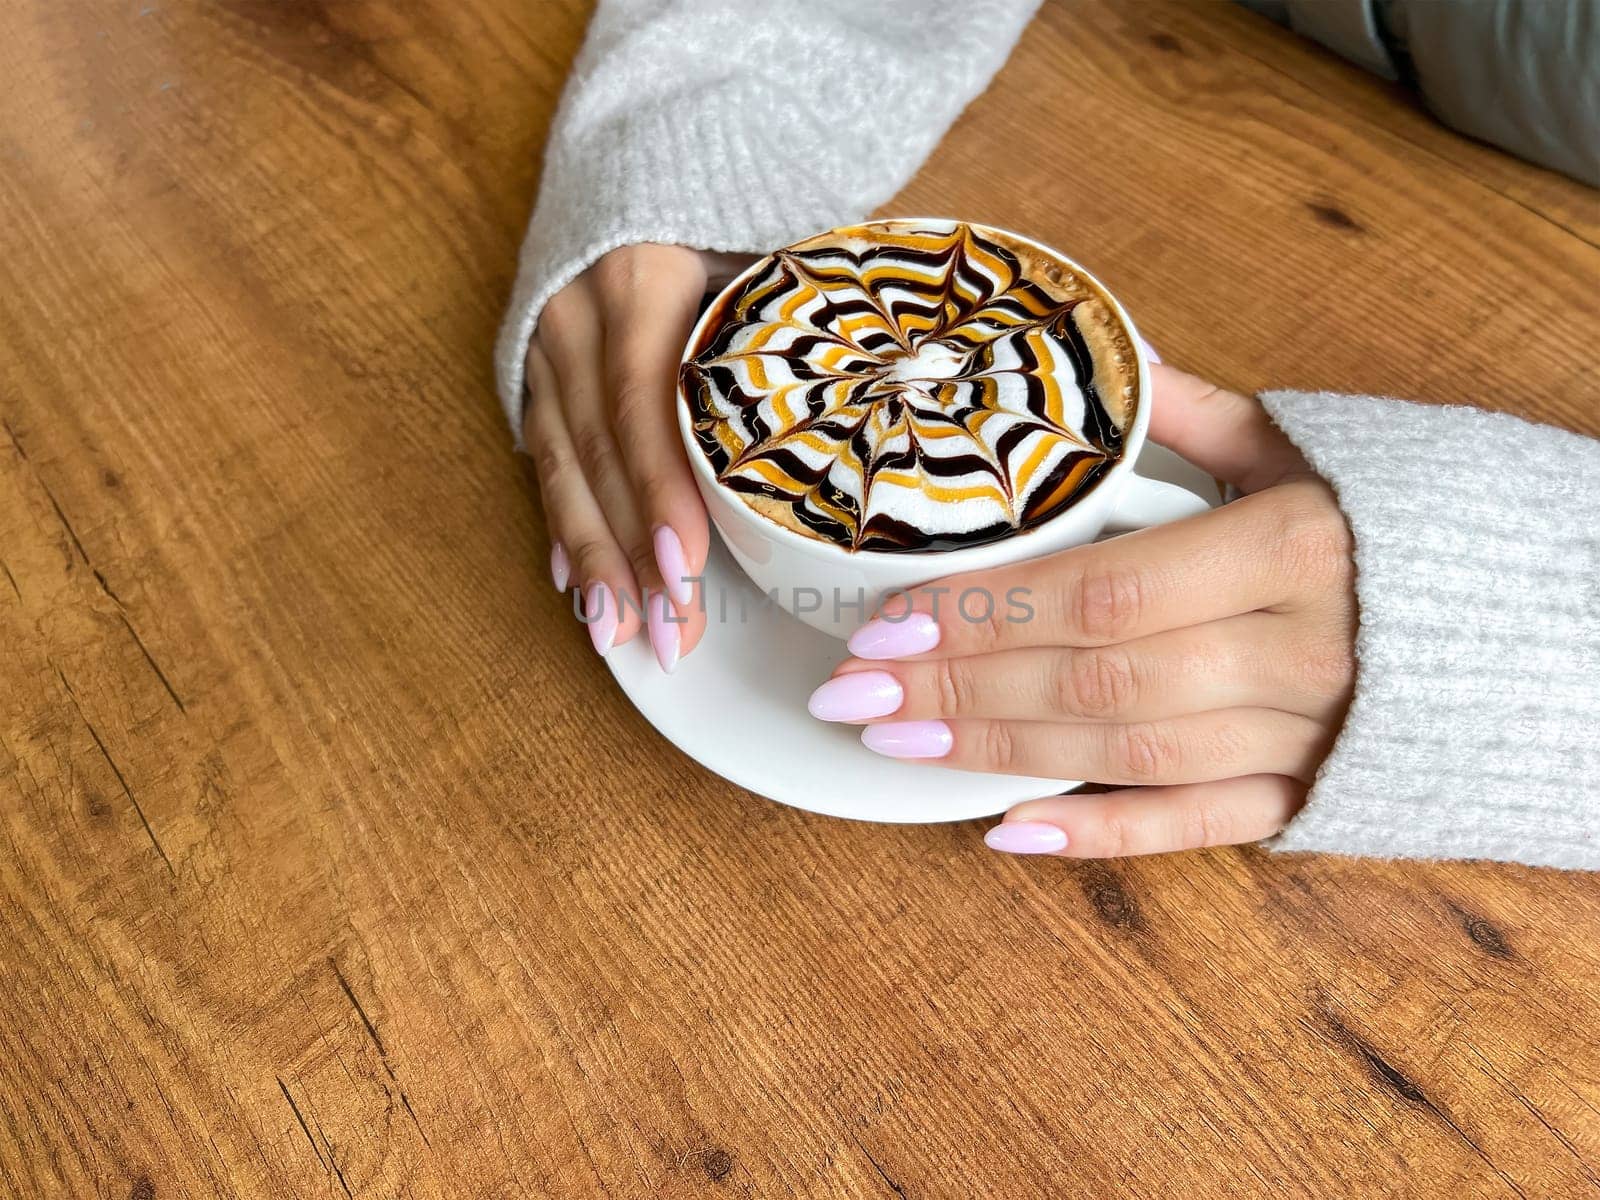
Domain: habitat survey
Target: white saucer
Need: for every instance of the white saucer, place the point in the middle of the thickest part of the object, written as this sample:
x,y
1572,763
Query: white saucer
x,y
737,706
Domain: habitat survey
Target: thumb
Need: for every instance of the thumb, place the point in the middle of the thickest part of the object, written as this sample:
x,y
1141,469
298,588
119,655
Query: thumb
x,y
1221,432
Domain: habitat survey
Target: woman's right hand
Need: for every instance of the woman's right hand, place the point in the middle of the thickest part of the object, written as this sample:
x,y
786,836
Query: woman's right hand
x,y
626,522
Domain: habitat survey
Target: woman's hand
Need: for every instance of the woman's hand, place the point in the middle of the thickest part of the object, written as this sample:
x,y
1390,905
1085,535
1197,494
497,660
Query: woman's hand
x,y
624,517
1207,663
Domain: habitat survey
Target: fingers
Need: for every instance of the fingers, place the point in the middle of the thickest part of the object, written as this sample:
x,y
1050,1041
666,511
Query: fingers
x,y
607,348
1251,661
1151,820
1219,564
571,336
591,555
1190,749
648,299
1220,431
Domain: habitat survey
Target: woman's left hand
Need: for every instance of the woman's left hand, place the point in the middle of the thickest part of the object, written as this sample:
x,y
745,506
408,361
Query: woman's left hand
x,y
1207,663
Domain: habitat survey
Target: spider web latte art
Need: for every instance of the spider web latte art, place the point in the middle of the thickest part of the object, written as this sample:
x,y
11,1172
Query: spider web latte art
x,y
904,386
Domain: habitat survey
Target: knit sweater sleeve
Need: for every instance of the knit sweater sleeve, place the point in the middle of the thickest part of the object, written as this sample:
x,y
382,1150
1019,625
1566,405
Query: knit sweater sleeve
x,y
741,125
1475,727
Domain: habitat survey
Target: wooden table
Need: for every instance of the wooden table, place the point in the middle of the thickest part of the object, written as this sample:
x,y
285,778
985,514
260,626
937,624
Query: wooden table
x,y
331,860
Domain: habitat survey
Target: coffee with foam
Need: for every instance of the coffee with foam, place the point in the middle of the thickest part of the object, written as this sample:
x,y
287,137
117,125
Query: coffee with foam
x,y
911,386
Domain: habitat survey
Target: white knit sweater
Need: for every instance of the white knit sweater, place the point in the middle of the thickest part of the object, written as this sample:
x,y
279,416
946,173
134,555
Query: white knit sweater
x,y
1475,729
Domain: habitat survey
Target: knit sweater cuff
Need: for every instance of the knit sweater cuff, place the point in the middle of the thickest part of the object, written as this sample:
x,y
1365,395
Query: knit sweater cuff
x,y
682,123
1475,728
658,178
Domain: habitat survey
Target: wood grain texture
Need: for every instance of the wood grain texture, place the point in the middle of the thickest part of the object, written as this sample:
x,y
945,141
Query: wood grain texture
x,y
331,861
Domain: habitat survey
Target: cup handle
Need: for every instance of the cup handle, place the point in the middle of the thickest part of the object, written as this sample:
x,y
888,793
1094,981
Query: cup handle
x,y
1145,502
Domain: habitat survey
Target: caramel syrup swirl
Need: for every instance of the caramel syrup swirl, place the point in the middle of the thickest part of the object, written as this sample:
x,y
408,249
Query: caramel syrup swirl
x,y
898,386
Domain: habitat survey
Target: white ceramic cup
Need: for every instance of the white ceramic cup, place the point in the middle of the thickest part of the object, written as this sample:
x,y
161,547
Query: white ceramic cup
x,y
835,589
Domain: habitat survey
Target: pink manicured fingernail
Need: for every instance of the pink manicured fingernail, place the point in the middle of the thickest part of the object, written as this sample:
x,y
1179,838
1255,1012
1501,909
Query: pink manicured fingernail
x,y
856,696
672,564
600,608
1026,837
663,632
560,566
909,739
1150,351
885,638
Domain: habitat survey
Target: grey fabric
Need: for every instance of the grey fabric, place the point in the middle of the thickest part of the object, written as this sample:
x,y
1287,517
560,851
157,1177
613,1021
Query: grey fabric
x,y
1475,727
675,127
1523,75
1348,28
